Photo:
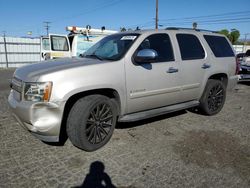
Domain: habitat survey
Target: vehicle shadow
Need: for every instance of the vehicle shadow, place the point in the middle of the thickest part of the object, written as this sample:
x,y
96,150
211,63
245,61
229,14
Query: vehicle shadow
x,y
127,125
247,83
97,177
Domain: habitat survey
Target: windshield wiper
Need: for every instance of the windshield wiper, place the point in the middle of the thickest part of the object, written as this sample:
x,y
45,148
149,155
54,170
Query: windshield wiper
x,y
94,56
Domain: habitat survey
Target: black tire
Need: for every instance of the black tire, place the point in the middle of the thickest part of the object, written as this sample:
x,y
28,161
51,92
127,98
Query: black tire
x,y
213,97
91,122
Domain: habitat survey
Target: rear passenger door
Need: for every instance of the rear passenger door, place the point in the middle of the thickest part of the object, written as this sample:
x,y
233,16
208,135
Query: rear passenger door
x,y
193,65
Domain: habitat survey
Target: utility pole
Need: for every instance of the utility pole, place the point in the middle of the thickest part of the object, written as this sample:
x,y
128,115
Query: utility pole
x,y
5,48
156,15
47,26
245,41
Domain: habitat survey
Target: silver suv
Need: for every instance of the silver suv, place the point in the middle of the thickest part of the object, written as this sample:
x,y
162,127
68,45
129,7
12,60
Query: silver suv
x,y
124,77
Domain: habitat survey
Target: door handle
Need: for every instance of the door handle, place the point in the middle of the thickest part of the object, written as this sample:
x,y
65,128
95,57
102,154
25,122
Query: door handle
x,y
172,70
205,66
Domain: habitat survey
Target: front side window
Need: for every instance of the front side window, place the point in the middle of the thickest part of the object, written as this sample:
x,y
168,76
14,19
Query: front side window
x,y
219,46
161,44
190,47
112,47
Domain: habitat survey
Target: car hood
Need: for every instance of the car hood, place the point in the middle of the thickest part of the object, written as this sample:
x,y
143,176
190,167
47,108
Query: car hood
x,y
32,72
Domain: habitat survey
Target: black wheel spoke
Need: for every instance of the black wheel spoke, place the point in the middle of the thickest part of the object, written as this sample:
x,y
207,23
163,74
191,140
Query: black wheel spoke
x,y
99,134
106,125
93,115
103,130
95,136
105,113
90,128
107,118
97,114
90,137
103,108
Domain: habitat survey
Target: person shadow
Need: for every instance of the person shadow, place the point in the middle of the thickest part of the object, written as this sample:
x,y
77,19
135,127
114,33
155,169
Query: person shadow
x,y
97,177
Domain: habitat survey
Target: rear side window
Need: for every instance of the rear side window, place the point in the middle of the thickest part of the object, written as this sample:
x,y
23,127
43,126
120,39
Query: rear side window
x,y
219,46
190,47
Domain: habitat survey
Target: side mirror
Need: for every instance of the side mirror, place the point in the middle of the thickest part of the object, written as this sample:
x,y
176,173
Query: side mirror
x,y
146,56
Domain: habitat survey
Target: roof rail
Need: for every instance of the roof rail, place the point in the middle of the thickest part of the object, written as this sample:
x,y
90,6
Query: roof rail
x,y
199,30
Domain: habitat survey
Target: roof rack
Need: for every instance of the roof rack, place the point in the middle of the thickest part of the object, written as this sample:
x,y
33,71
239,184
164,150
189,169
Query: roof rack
x,y
199,30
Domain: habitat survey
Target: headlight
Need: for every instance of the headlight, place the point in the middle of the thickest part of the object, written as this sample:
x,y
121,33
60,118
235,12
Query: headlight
x,y
39,92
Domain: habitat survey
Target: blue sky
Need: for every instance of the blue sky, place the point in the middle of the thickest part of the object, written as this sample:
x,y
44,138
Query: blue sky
x,y
17,17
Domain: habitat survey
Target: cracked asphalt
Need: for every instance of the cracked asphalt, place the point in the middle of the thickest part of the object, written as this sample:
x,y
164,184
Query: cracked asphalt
x,y
182,149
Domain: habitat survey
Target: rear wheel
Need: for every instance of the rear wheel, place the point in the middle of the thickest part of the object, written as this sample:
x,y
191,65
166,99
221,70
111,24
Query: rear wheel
x,y
213,97
91,122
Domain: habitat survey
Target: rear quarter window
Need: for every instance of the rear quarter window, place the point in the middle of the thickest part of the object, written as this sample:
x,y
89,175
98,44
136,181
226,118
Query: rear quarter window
x,y
219,46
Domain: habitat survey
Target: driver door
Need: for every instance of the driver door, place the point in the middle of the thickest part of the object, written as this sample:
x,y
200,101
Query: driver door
x,y
156,84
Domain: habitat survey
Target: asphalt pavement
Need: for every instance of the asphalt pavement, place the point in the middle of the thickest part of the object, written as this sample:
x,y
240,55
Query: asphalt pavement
x,y
182,149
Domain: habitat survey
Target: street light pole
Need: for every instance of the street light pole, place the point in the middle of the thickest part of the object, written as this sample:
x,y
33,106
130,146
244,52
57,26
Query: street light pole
x,y
156,15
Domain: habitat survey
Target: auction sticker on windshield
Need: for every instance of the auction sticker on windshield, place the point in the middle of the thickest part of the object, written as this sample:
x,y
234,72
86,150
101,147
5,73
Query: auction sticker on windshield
x,y
130,37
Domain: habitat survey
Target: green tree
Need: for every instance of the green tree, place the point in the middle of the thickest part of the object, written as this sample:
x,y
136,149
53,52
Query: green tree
x,y
122,29
233,36
224,32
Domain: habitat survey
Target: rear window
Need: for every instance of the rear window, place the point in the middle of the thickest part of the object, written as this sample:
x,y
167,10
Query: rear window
x,y
219,46
190,47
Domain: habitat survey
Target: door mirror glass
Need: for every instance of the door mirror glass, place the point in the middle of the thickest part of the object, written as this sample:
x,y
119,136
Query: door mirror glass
x,y
146,56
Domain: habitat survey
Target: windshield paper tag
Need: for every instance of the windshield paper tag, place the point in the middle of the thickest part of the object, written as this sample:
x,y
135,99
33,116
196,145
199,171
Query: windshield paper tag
x,y
128,38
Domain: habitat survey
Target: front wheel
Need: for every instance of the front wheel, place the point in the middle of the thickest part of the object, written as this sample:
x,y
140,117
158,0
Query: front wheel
x,y
91,122
213,97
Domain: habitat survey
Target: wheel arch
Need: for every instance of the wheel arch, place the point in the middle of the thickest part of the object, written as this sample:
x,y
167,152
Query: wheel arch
x,y
220,76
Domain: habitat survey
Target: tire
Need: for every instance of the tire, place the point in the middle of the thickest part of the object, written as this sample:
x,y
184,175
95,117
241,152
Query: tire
x,y
213,97
91,122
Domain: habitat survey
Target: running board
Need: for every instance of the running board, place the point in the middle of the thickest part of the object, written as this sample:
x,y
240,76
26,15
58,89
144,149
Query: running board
x,y
158,111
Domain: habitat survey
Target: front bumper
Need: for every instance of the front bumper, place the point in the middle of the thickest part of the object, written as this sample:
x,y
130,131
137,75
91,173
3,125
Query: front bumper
x,y
244,73
244,77
42,119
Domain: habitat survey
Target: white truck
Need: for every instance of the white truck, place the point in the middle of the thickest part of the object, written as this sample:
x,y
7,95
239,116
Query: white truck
x,y
72,45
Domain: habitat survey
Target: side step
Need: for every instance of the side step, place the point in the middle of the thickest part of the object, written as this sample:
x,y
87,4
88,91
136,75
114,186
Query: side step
x,y
158,111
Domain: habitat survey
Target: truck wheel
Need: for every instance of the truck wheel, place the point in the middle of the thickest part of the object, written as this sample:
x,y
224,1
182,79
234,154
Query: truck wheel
x,y
91,122
213,97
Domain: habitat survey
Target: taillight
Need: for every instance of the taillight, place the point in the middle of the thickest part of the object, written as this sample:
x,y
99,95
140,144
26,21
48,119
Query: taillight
x,y
237,66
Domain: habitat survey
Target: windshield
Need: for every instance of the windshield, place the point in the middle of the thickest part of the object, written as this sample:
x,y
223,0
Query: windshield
x,y
112,47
